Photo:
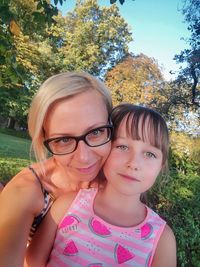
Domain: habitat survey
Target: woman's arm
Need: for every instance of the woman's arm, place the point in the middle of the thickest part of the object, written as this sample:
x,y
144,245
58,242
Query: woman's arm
x,y
165,254
38,251
20,201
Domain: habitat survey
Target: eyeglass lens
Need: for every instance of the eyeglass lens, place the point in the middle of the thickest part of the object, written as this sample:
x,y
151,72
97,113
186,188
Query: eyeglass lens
x,y
65,145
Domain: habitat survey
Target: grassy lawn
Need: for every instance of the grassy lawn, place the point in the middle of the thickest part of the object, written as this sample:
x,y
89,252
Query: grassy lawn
x,y
14,147
14,155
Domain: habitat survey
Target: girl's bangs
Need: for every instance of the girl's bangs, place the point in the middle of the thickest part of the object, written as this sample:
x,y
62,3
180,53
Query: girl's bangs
x,y
144,127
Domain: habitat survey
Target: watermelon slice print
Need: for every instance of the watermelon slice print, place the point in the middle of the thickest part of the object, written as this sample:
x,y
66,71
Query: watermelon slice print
x,y
146,231
69,220
70,249
98,228
122,254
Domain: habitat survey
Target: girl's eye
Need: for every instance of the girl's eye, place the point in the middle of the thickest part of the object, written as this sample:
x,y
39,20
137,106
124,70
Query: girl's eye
x,y
122,147
150,155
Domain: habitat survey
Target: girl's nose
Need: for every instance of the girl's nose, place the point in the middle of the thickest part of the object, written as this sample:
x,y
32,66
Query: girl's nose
x,y
134,162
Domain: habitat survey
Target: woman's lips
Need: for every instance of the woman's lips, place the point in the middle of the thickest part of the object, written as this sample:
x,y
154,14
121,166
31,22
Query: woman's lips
x,y
89,169
128,177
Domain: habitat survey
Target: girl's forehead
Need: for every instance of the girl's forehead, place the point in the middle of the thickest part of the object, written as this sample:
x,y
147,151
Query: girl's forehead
x,y
139,129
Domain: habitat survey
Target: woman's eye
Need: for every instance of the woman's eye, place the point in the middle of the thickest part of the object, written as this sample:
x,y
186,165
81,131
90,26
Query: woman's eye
x,y
96,132
150,155
122,147
63,140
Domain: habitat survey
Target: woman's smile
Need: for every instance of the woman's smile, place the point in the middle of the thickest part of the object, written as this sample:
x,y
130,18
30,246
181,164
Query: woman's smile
x,y
88,169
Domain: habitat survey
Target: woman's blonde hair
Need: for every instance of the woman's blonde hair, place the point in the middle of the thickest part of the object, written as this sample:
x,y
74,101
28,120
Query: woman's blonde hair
x,y
57,88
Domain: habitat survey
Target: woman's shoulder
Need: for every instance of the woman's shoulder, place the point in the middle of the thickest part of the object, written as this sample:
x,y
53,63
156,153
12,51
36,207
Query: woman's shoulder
x,y
25,190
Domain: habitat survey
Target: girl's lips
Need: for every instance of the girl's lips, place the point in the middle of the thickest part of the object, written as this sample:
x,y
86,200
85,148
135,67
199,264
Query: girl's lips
x,y
128,177
89,169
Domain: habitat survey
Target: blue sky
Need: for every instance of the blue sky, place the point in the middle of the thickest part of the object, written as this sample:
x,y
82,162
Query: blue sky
x,y
157,27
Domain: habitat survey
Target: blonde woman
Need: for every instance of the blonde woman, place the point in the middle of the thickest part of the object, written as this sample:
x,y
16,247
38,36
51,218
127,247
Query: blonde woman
x,y
68,118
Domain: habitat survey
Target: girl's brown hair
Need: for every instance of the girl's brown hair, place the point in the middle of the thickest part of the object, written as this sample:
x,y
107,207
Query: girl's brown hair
x,y
137,117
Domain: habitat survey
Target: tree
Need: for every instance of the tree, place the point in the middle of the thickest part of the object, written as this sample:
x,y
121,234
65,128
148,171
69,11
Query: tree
x,y
17,16
191,56
25,55
90,38
137,79
96,38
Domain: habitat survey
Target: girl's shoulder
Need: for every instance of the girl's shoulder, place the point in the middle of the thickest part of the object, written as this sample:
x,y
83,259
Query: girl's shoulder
x,y
61,206
166,246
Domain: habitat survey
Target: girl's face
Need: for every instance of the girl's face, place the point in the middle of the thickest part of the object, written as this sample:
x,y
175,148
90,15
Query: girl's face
x,y
74,117
133,165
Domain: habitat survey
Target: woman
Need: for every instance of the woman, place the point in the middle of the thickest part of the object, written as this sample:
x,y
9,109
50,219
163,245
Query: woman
x,y
69,116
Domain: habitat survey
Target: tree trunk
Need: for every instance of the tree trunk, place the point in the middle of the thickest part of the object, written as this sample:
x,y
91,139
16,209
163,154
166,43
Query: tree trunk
x,y
11,123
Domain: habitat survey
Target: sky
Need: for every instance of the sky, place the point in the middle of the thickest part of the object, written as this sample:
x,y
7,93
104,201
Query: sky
x,y
157,28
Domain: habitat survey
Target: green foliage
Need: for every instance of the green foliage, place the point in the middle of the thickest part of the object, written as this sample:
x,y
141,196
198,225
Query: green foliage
x,y
136,79
176,197
191,56
20,134
178,203
23,27
185,152
14,155
96,38
9,167
20,17
34,45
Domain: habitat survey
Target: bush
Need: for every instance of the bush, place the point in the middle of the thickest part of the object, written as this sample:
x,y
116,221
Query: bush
x,y
178,203
16,133
10,167
176,197
184,153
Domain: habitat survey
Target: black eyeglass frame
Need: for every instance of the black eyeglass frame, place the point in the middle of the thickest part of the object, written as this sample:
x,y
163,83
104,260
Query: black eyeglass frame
x,y
79,138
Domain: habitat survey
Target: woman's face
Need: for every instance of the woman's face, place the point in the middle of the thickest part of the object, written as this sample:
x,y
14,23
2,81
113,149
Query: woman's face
x,y
74,117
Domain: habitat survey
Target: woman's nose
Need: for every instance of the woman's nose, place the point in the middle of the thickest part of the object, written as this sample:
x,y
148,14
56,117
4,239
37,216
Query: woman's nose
x,y
82,153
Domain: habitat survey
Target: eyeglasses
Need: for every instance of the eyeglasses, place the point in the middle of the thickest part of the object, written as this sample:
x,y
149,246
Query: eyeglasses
x,y
68,144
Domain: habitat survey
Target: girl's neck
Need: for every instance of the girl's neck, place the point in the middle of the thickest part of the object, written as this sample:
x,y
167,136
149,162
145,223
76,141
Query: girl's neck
x,y
118,209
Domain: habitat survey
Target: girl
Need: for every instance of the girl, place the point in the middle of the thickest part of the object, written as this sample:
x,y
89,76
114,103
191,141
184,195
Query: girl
x,y
111,226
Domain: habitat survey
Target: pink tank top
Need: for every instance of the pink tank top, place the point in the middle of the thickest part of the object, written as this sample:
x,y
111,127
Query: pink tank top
x,y
84,239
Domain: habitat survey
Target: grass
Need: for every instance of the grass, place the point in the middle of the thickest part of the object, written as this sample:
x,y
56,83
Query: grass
x,y
14,147
14,155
